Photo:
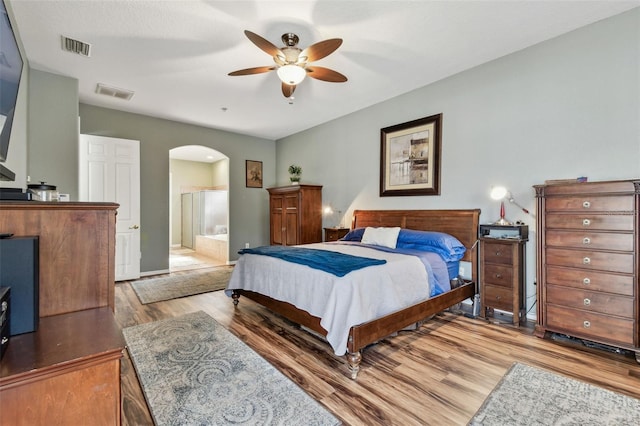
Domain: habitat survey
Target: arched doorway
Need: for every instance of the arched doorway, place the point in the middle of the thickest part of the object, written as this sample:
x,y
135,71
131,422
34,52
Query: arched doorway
x,y
199,207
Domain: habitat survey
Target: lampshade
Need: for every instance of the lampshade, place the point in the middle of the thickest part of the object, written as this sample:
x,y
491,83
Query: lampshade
x,y
291,74
499,192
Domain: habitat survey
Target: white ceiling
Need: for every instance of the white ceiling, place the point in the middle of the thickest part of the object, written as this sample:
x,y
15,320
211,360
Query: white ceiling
x,y
175,55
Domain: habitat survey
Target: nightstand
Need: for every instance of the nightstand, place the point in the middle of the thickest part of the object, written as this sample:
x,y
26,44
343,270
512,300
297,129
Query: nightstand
x,y
502,275
334,234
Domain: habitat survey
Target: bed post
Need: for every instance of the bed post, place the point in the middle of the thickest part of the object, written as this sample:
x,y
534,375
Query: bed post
x,y
354,358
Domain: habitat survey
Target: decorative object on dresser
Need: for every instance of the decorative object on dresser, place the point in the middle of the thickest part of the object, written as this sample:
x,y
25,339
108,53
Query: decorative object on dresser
x,y
588,266
295,172
502,269
295,214
410,157
334,234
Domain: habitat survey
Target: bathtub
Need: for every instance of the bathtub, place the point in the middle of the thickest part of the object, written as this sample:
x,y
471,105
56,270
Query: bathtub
x,y
214,246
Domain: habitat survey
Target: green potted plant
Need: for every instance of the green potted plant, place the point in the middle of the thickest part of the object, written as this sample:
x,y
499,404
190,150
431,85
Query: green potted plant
x,y
294,174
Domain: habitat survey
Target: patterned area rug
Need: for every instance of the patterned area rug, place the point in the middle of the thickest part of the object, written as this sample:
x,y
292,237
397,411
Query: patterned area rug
x,y
530,396
193,371
172,286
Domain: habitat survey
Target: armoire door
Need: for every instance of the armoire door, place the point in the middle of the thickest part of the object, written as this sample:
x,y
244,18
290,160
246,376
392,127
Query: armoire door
x,y
277,220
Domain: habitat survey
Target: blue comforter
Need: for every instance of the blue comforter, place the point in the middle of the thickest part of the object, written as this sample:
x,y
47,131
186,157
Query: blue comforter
x,y
338,264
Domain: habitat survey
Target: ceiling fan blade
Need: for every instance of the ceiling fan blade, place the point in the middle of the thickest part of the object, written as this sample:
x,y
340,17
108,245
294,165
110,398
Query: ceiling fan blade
x,y
288,89
263,44
320,49
249,71
325,74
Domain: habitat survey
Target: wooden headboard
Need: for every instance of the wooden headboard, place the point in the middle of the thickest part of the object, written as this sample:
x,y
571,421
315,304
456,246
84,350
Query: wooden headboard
x,y
462,224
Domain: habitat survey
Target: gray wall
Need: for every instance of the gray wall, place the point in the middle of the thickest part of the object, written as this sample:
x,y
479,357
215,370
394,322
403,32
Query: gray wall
x,y
53,131
564,108
248,207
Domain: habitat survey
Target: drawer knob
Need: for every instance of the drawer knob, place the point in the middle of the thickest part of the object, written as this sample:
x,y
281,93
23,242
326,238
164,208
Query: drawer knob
x,y
498,275
586,222
586,281
586,261
586,324
498,253
586,241
497,297
586,204
587,301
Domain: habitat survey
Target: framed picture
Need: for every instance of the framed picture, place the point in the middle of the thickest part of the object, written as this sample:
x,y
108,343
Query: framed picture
x,y
254,174
410,158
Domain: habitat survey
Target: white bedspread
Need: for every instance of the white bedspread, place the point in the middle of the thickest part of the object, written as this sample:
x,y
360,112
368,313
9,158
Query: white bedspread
x,y
340,302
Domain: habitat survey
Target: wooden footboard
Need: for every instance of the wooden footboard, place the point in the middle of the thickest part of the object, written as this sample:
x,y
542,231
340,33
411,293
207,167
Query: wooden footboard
x,y
362,335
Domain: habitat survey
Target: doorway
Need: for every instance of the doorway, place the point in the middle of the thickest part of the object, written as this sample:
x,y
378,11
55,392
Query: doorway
x,y
109,171
199,208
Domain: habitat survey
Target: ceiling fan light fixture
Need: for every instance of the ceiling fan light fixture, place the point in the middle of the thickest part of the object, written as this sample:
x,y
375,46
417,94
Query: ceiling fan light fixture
x,y
291,74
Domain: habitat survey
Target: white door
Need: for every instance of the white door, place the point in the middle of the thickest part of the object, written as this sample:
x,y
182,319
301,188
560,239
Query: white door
x,y
110,171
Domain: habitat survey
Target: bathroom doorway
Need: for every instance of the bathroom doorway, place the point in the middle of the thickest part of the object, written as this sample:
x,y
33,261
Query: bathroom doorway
x,y
199,208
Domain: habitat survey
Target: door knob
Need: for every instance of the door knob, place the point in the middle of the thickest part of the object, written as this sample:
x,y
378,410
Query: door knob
x,y
134,227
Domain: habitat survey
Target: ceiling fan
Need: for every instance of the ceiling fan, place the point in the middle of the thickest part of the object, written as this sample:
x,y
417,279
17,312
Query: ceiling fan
x,y
291,62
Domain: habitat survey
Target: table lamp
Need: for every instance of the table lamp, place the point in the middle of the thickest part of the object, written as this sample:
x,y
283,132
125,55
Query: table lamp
x,y
501,193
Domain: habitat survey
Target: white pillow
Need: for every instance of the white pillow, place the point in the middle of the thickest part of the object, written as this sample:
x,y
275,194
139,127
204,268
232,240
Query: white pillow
x,y
386,237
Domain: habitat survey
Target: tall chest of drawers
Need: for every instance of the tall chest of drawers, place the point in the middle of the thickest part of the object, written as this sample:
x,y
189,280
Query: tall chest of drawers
x,y
587,261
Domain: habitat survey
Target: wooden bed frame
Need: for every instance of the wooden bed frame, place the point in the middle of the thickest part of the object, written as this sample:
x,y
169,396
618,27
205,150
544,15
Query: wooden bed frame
x,y
462,224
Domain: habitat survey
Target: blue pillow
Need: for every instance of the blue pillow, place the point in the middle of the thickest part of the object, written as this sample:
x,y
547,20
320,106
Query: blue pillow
x,y
447,246
354,235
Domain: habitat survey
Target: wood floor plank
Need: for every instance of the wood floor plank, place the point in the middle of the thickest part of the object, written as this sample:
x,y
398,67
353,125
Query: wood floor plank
x,y
438,374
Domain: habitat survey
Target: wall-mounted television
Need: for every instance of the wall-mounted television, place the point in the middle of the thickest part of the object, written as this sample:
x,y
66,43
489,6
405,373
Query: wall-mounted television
x,y
10,72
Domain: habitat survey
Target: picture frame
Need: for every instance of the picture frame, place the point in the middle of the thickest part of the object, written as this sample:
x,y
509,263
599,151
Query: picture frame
x,y
410,156
253,174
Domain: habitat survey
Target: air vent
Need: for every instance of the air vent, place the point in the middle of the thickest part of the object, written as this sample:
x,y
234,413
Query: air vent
x,y
114,92
76,46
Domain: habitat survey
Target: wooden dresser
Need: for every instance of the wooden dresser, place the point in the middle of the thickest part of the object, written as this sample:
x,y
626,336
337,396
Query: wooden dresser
x,y
66,373
502,277
77,251
334,234
68,370
588,266
295,214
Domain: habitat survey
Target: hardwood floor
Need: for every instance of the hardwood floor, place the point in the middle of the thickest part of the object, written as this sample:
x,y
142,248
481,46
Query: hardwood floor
x,y
437,375
186,259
